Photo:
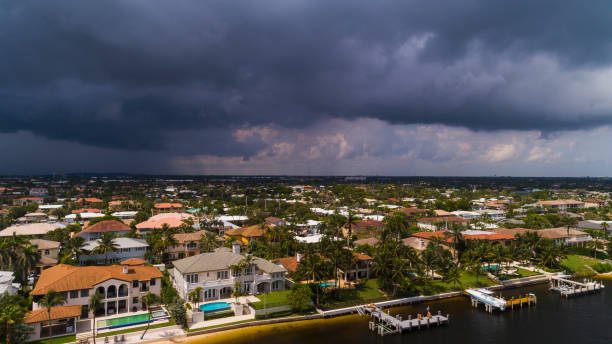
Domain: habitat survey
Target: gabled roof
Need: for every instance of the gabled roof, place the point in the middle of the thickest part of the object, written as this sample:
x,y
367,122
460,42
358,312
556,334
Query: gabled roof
x,y
290,263
67,277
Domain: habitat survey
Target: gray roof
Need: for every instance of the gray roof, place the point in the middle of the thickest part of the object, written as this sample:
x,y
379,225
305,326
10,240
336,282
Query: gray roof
x,y
121,242
221,259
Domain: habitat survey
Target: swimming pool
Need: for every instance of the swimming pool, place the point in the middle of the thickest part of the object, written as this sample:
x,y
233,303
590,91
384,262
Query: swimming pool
x,y
130,320
215,307
327,284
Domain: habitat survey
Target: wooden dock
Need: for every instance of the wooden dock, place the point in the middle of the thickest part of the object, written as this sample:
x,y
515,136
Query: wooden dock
x,y
384,323
568,288
491,302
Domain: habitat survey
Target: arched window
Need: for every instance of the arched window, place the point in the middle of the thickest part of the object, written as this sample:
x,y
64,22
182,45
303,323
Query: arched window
x,y
111,292
101,291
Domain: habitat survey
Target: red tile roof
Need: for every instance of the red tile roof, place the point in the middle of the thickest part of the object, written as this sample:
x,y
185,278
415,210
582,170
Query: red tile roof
x,y
106,226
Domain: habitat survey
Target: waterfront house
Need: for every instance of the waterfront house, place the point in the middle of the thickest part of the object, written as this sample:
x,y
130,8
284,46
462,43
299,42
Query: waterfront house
x,y
121,286
213,272
126,248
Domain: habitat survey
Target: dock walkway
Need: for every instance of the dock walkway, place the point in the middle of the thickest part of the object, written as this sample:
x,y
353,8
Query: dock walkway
x,y
568,288
384,323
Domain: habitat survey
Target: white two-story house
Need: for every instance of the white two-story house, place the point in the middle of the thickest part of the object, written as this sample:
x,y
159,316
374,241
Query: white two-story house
x,y
213,272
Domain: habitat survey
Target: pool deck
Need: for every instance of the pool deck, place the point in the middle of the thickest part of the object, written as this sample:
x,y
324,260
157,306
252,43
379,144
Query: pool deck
x,y
214,322
121,315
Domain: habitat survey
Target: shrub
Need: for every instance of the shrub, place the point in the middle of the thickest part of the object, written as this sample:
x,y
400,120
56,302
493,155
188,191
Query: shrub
x,y
299,297
602,267
276,314
178,312
218,315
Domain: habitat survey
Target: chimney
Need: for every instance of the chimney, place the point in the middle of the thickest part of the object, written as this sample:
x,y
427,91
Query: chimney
x,y
236,247
299,257
125,269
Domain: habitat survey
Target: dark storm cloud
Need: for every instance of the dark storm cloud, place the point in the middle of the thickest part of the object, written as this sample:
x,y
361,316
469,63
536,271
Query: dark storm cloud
x,y
132,74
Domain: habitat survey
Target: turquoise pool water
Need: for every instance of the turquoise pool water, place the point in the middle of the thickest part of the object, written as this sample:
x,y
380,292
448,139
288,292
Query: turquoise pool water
x,y
129,320
327,284
214,307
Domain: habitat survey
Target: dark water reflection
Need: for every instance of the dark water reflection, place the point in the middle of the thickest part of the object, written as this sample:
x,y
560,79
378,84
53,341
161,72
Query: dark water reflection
x,y
583,319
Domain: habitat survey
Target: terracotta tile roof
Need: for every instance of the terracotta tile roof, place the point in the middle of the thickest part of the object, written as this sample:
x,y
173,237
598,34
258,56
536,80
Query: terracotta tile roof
x,y
60,312
67,277
89,200
182,238
168,205
86,210
290,263
430,235
106,226
251,231
361,256
134,262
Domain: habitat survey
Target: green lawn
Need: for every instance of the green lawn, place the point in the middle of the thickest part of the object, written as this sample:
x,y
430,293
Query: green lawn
x,y
467,280
579,265
346,298
521,274
273,299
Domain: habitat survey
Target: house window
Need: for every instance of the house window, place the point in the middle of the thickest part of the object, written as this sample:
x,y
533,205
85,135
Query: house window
x,y
74,294
135,284
222,275
193,278
84,292
46,252
135,300
152,281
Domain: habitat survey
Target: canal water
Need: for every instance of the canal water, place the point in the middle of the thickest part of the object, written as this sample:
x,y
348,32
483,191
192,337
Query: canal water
x,y
581,319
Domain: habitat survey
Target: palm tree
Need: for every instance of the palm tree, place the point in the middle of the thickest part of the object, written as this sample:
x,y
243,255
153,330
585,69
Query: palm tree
x,y
455,235
194,296
50,300
106,245
148,301
350,220
72,250
312,266
11,313
453,275
604,228
236,293
208,242
95,302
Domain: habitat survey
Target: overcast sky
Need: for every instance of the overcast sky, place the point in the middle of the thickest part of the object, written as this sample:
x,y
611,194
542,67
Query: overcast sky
x,y
306,87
